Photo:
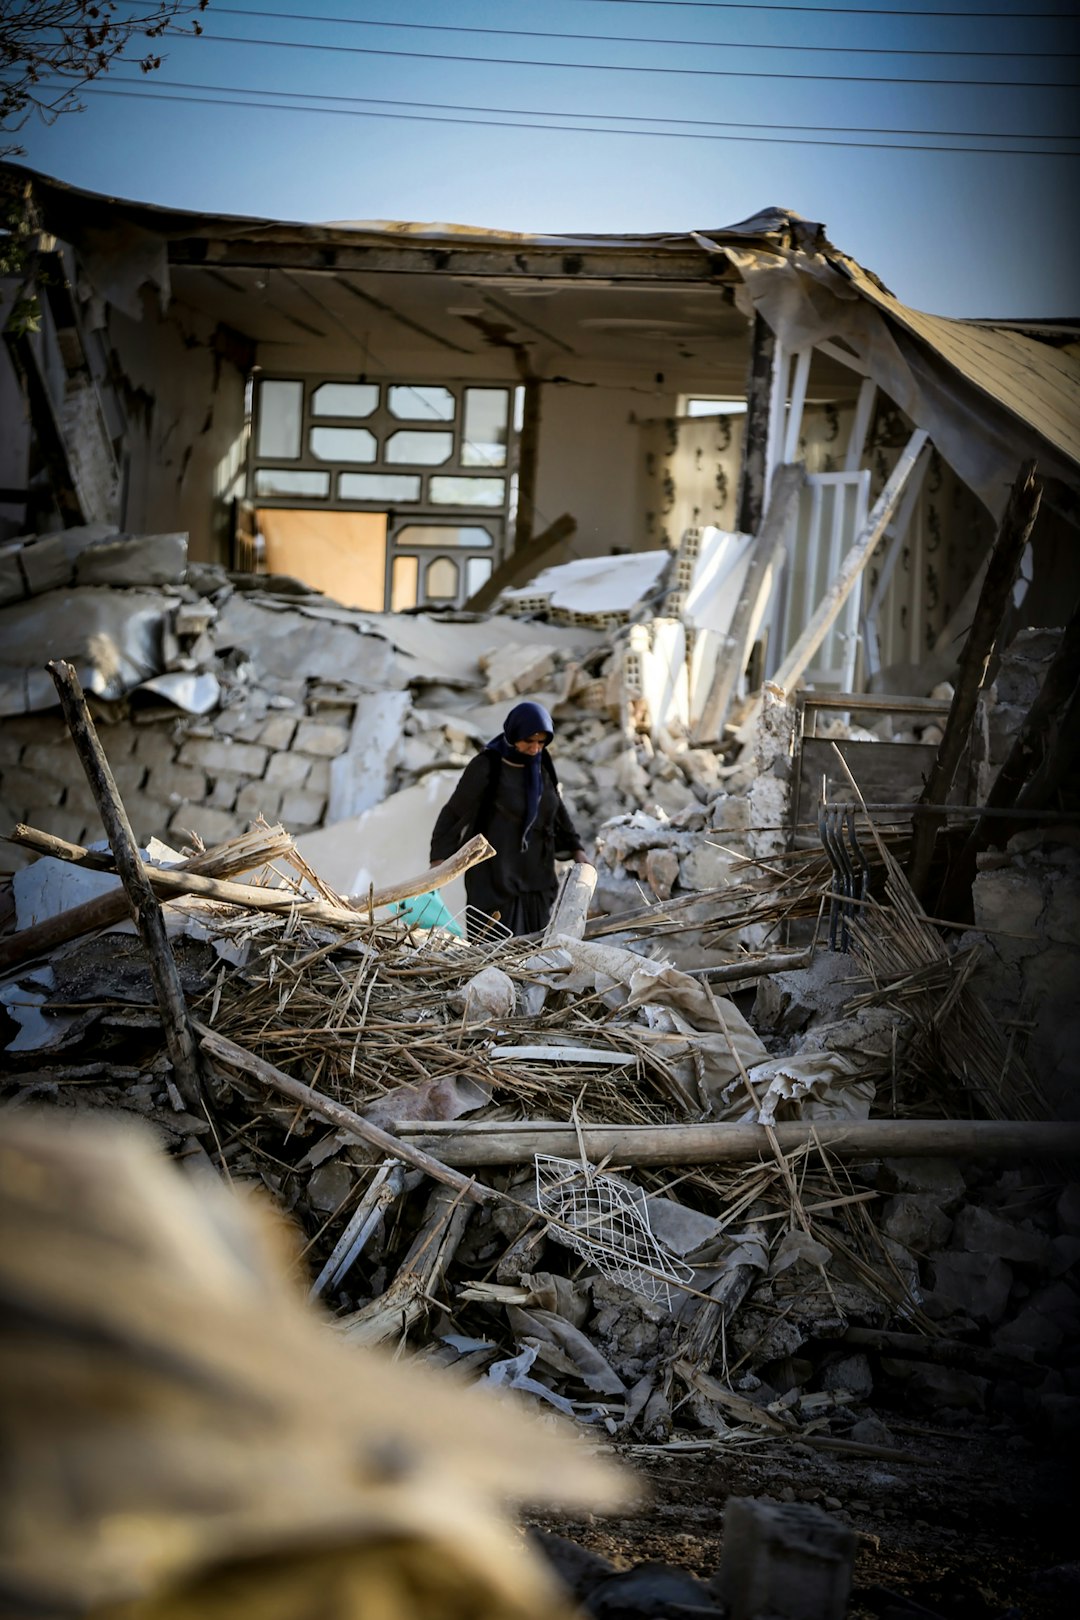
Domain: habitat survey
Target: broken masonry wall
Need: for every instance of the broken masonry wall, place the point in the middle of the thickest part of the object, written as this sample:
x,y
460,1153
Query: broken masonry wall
x,y
589,449
182,387
1027,899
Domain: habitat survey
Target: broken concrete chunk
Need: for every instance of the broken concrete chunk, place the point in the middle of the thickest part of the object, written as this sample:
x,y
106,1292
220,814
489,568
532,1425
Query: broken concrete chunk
x,y
977,1285
790,1561
151,559
978,1231
330,1185
489,997
661,871
852,1374
936,1177
917,1221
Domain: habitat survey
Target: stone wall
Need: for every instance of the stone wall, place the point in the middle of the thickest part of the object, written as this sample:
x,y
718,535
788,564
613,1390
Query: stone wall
x,y
179,776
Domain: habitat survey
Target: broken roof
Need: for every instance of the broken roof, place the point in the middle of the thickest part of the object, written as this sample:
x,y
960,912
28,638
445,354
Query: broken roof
x,y
583,306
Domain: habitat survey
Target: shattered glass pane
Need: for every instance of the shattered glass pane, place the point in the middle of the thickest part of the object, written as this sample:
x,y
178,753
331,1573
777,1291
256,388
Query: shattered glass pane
x,y
281,407
484,440
344,399
412,402
445,490
419,448
379,487
343,444
290,481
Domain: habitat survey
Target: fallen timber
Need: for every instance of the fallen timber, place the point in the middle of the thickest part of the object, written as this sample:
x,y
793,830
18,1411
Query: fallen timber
x,y
670,1145
174,883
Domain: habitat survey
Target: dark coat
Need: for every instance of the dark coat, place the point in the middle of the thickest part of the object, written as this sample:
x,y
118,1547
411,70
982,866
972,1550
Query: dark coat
x,y
516,886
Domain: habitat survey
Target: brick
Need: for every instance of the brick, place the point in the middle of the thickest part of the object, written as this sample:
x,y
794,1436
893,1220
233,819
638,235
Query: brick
x,y
28,789
34,728
10,749
58,761
211,825
226,786
278,731
171,783
213,754
128,775
150,820
70,824
300,809
155,745
259,799
313,737
319,777
288,770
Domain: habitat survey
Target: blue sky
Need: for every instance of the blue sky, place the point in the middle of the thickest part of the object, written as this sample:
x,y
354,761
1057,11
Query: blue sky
x,y
958,233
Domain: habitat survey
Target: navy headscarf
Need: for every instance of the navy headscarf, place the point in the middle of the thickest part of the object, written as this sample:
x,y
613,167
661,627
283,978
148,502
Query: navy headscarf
x,y
525,720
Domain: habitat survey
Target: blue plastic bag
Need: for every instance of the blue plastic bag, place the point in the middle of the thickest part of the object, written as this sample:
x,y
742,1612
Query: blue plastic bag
x,y
427,911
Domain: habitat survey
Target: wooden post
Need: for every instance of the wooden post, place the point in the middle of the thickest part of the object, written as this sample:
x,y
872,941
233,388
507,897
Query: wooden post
x,y
669,1145
764,557
179,1038
859,555
993,603
570,912
752,487
527,465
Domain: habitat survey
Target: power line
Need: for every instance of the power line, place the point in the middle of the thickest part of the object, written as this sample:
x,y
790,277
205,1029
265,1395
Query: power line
x,y
839,11
612,67
632,118
581,129
634,39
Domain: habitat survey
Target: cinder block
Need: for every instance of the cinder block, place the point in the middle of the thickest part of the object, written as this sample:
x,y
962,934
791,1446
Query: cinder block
x,y
259,799
300,809
168,782
212,754
278,731
790,1561
289,770
314,737
211,825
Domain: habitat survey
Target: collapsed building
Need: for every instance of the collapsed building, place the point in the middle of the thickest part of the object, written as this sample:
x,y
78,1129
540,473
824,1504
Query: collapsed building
x,y
305,508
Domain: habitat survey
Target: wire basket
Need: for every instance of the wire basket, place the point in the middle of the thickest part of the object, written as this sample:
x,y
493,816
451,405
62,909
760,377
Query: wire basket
x,y
606,1221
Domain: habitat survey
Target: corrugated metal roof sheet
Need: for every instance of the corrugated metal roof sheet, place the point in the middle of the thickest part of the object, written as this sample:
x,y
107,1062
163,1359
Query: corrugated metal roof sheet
x,y
1037,381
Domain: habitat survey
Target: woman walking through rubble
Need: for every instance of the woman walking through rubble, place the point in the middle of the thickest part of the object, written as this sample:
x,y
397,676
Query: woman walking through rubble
x,y
510,793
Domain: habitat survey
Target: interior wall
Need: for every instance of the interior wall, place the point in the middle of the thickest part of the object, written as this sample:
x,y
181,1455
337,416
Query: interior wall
x,y
185,445
588,464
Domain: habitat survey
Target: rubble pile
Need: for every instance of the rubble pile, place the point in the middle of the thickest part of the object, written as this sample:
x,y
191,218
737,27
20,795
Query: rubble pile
x,y
477,1142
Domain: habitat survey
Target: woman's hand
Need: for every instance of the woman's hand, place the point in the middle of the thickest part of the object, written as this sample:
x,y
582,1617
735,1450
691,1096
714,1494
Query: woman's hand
x,y
580,857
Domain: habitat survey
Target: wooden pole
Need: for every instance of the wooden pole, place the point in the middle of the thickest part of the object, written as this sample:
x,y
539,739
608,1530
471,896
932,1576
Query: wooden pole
x,y
764,554
993,604
171,883
392,1147
179,1039
671,1145
106,910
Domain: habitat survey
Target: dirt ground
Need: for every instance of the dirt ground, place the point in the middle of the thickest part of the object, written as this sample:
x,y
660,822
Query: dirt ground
x,y
979,1525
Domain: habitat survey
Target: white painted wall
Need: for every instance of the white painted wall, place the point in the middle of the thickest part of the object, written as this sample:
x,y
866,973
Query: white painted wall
x,y
588,464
